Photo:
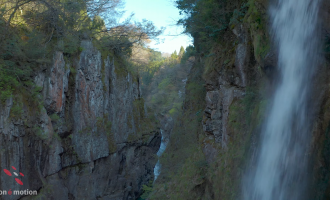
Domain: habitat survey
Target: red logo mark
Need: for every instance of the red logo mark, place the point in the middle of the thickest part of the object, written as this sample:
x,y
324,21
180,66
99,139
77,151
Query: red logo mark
x,y
10,192
16,179
7,172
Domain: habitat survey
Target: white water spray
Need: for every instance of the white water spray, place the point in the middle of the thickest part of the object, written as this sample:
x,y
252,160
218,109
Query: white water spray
x,y
162,148
280,172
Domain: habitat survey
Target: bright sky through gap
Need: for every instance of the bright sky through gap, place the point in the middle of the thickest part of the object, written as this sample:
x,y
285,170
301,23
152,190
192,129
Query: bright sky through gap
x,y
161,13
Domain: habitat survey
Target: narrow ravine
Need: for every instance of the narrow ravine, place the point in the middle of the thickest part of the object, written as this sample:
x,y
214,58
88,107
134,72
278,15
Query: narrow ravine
x,y
165,137
210,100
281,169
168,125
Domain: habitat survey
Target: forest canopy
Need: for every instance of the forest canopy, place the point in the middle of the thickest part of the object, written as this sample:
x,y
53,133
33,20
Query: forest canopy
x,y
32,30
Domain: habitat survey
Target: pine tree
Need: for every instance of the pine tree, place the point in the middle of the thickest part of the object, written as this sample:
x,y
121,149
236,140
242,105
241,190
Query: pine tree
x,y
181,52
174,55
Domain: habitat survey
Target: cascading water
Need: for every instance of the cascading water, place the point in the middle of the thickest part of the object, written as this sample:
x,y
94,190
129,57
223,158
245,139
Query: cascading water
x,y
162,148
280,172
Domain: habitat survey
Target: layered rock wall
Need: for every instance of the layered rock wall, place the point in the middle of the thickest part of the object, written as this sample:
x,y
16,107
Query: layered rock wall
x,y
78,144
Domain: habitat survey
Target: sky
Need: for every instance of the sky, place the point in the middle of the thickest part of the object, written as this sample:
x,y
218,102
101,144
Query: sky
x,y
161,13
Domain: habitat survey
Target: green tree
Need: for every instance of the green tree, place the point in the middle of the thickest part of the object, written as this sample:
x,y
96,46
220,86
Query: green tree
x,y
174,55
181,52
155,55
190,51
147,189
206,20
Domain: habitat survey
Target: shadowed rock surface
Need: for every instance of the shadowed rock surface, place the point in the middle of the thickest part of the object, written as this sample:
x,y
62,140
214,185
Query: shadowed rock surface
x,y
86,142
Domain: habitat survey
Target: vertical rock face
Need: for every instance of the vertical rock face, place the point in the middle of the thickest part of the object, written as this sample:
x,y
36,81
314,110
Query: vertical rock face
x,y
320,144
78,145
227,86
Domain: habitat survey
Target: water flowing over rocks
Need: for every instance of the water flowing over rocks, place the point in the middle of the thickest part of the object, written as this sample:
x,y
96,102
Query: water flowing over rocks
x,y
79,145
166,129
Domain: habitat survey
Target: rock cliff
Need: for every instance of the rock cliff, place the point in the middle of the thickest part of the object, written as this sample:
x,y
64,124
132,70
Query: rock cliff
x,y
85,140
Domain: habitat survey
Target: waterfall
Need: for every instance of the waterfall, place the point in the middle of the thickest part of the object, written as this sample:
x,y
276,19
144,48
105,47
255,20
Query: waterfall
x,y
162,148
280,171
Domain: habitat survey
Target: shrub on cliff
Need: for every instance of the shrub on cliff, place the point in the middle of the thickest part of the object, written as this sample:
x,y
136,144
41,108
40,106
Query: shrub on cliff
x,y
32,30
